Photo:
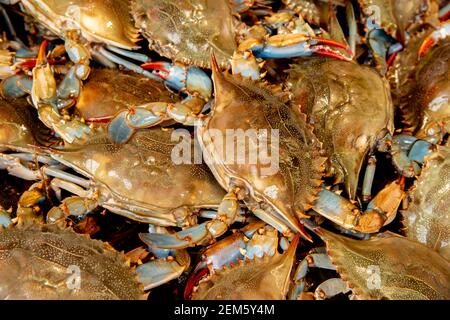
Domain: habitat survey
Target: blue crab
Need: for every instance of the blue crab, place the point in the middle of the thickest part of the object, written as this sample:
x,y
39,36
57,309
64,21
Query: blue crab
x,y
369,269
258,278
38,261
392,24
418,77
280,197
427,218
235,44
89,28
388,266
351,111
110,183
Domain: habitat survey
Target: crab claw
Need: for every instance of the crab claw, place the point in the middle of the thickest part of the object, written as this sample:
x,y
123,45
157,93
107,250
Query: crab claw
x,y
298,45
441,33
192,80
44,83
380,211
159,271
408,152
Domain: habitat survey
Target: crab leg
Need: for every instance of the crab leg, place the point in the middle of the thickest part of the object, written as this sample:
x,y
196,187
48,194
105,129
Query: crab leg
x,y
227,213
408,153
274,221
125,123
185,79
317,258
284,46
44,94
28,204
257,239
331,288
212,214
168,265
380,211
129,65
368,179
157,272
444,13
297,45
441,33
10,86
352,26
190,80
5,218
15,168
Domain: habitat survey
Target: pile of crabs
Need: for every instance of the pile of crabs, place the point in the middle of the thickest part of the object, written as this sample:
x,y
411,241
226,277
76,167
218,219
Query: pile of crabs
x,y
93,205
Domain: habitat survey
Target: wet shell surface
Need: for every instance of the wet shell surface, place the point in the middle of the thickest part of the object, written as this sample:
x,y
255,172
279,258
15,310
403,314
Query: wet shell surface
x,y
44,262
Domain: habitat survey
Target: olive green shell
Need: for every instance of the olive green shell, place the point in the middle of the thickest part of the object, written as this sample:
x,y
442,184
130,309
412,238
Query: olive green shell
x,y
42,262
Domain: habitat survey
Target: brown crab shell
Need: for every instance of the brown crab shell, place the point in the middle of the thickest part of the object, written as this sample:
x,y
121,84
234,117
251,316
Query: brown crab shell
x,y
186,31
427,219
389,266
109,91
430,101
401,76
37,261
101,21
350,108
19,125
245,106
140,179
399,16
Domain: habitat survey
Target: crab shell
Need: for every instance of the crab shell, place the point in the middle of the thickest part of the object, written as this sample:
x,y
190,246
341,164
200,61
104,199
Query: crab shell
x,y
100,21
389,267
400,16
39,262
140,179
109,91
427,219
305,8
285,187
186,31
311,10
350,108
431,97
265,278
19,127
401,76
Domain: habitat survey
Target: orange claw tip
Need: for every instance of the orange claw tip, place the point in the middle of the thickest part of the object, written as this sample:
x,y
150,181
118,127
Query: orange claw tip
x,y
294,243
334,44
426,45
154,66
392,58
304,234
442,32
324,52
42,54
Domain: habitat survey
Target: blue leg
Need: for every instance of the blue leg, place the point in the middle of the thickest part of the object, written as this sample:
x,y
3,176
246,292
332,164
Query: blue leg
x,y
201,233
368,179
345,214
